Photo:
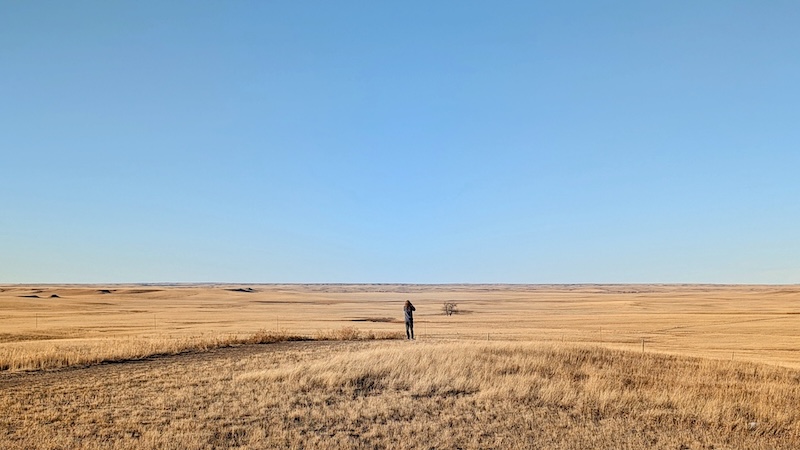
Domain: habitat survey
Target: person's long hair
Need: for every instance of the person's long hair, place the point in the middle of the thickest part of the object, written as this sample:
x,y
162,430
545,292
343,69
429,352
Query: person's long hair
x,y
408,303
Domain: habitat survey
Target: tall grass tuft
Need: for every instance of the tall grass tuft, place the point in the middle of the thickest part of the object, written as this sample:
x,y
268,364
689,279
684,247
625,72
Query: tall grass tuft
x,y
354,334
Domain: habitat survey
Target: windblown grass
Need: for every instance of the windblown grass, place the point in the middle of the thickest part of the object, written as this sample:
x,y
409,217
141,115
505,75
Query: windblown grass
x,y
418,395
593,383
354,334
58,354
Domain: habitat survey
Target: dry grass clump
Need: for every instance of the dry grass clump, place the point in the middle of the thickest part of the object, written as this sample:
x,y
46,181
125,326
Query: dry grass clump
x,y
354,334
264,336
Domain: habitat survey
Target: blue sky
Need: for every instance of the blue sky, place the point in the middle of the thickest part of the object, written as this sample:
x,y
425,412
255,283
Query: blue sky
x,y
423,142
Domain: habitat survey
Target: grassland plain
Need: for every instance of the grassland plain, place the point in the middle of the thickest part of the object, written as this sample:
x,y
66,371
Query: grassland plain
x,y
396,394
749,323
518,367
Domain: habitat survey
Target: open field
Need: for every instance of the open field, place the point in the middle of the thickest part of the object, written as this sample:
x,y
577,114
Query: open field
x,y
557,367
396,394
748,323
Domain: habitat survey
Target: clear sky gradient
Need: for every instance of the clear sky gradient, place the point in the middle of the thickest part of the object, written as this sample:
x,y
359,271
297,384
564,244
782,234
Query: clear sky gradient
x,y
412,141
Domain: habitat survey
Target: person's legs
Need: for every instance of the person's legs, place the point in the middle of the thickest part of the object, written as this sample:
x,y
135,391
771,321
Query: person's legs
x,y
411,324
408,329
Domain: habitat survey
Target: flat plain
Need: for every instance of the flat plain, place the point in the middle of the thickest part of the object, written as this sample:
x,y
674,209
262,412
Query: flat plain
x,y
750,323
518,366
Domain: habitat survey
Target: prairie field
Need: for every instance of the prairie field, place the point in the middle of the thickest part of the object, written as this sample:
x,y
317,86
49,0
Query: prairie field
x,y
324,366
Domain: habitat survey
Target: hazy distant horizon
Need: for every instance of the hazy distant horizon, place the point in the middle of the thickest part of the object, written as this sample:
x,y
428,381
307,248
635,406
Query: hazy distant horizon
x,y
226,283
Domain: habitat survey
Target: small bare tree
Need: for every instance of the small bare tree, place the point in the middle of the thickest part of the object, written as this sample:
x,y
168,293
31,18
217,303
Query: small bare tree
x,y
450,308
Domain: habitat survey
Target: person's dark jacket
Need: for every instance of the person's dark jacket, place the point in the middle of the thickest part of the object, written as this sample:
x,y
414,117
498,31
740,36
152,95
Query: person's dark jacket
x,y
409,312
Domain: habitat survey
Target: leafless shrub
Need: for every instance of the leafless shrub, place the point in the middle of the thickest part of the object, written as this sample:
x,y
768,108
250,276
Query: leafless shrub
x,y
450,308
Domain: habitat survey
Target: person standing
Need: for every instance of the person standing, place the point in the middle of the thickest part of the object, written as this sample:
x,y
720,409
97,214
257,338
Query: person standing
x,y
408,312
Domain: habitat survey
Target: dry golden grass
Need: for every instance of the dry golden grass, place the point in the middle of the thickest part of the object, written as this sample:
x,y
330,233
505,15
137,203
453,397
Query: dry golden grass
x,y
568,371
394,394
752,323
46,355
354,334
